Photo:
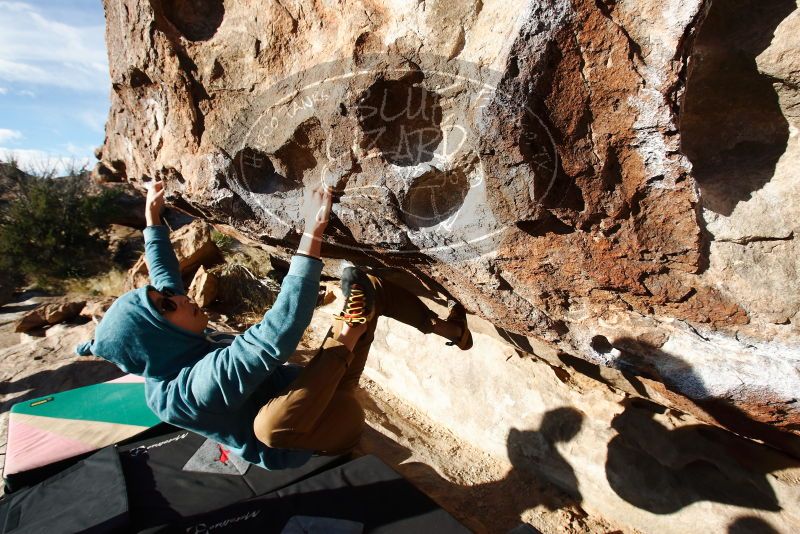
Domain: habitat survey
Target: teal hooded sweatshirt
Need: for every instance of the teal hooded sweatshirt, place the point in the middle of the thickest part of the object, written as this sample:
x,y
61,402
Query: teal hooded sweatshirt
x,y
213,384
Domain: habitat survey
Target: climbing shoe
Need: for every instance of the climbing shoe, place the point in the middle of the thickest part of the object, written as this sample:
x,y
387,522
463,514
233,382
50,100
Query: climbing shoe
x,y
359,297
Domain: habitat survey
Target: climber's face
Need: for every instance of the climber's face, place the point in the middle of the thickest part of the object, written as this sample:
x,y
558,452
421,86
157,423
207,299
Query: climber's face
x,y
179,310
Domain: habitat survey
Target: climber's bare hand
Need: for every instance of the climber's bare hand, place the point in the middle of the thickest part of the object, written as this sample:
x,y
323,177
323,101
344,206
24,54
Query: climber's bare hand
x,y
317,209
154,203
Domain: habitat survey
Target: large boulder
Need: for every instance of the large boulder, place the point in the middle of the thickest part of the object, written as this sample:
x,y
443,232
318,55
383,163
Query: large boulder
x,y
609,183
203,289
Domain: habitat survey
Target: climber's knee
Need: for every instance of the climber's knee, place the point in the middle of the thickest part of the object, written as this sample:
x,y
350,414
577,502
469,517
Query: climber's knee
x,y
269,429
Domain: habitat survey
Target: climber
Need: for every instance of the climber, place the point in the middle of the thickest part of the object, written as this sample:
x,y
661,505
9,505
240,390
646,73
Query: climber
x,y
237,389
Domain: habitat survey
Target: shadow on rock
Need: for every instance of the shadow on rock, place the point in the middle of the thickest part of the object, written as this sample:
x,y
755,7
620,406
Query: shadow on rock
x,y
639,359
751,525
534,453
16,308
540,476
732,126
663,470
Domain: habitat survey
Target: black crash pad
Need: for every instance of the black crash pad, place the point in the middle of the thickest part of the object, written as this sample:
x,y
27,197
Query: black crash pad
x,y
182,474
86,497
364,495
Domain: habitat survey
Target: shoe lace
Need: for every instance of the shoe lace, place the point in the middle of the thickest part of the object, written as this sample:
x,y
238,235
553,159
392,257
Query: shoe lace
x,y
354,307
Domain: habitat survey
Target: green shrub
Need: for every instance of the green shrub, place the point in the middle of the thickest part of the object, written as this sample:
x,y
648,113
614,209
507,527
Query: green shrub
x,y
224,242
49,229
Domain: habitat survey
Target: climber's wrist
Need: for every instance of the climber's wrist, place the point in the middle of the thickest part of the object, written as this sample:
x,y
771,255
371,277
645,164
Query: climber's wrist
x,y
152,218
315,231
311,243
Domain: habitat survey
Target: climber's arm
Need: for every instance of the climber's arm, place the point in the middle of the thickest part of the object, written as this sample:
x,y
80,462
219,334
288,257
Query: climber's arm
x,y
223,379
161,260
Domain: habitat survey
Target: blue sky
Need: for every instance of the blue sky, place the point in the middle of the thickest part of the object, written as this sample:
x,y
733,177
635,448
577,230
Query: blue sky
x,y
54,85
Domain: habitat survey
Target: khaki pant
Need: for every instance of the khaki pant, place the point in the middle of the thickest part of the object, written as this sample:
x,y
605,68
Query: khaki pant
x,y
319,410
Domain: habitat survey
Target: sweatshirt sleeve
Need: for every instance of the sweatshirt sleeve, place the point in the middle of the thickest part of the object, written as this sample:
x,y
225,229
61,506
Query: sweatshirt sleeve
x,y
223,379
161,260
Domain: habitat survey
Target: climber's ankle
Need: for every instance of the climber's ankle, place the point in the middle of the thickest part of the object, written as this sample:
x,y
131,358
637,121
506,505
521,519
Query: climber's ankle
x,y
350,334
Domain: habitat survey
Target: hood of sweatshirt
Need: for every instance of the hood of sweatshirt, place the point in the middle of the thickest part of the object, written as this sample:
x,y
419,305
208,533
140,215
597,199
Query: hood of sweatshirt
x,y
139,340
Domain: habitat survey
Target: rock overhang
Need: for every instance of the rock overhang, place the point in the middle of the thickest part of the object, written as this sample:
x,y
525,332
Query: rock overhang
x,y
528,161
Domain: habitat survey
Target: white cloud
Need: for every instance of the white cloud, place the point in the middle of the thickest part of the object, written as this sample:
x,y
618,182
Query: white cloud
x,y
41,51
95,120
9,135
41,162
3,90
27,92
79,151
